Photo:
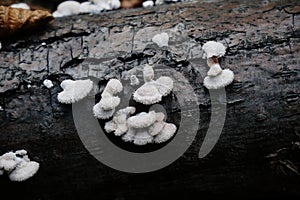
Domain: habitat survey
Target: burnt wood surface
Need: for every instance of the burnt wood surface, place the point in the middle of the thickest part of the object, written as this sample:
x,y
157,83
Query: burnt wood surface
x,y
257,155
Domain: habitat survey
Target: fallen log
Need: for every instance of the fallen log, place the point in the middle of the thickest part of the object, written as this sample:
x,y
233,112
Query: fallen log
x,y
257,154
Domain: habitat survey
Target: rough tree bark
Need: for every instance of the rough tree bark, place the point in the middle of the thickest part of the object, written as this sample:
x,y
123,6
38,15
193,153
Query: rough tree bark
x,y
257,154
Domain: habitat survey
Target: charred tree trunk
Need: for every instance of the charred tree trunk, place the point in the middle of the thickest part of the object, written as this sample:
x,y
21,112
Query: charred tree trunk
x,y
258,152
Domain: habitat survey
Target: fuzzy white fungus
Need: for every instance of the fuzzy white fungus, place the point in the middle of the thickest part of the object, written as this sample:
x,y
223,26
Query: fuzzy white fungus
x,y
129,136
148,73
88,7
156,128
145,128
118,124
166,133
147,94
216,77
142,137
18,165
105,108
109,103
107,4
48,83
100,113
142,120
8,161
215,82
152,91
74,91
164,85
67,8
24,170
212,48
134,80
21,152
148,4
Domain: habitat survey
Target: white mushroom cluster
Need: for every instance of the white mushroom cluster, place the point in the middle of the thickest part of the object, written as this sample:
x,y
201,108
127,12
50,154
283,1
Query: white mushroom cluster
x,y
74,91
153,90
216,77
142,128
18,166
105,108
68,8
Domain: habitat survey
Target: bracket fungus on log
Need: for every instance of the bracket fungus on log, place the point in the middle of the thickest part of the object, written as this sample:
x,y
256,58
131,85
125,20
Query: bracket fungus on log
x,y
118,124
152,91
145,128
74,91
18,165
105,108
216,77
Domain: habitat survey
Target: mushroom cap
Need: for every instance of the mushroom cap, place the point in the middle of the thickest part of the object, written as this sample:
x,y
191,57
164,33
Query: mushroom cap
x,y
142,137
156,128
21,152
121,129
74,90
161,39
166,133
147,94
126,111
48,83
107,4
148,73
129,136
212,48
88,7
102,114
148,4
164,85
214,70
110,126
109,103
142,120
114,4
134,80
113,87
24,170
119,122
219,81
67,8
160,116
8,161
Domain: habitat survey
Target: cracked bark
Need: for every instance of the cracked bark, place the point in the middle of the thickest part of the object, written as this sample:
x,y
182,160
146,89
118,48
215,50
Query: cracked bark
x,y
259,140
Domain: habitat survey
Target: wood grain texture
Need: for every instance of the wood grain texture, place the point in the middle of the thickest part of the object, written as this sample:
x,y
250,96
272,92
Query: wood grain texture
x,y
260,139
